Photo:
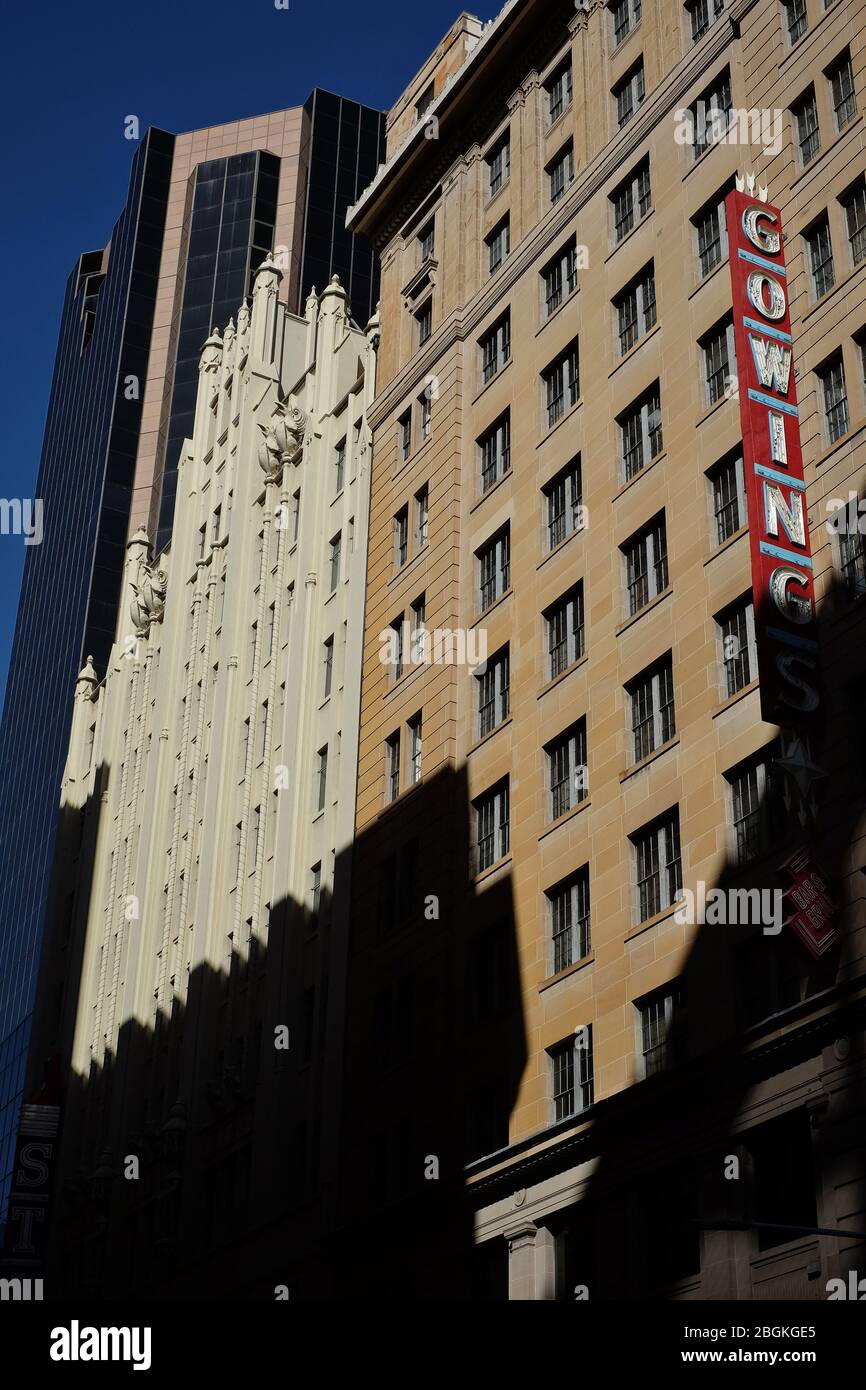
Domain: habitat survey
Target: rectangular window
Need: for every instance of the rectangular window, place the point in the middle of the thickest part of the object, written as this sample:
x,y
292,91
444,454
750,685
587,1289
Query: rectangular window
x,y
652,709
711,114
658,868
296,515
564,620
494,561
559,277
832,378
636,309
415,731
738,647
852,560
640,431
401,537
720,362
418,634
495,452
729,498
558,90
808,132
661,1030
315,893
841,77
561,384
820,257
396,635
392,767
426,410
757,810
422,516
646,564
327,666
498,165
628,94
631,201
564,503
568,907
855,214
498,245
495,347
424,320
795,18
321,777
493,693
568,777
571,1075
491,826
712,237
701,14
404,434
426,238
339,467
560,173
625,15
335,546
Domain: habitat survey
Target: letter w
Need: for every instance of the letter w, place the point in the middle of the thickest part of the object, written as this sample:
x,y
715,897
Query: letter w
x,y
772,363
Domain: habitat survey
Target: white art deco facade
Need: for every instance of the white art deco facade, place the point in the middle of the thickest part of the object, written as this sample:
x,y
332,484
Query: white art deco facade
x,y
208,806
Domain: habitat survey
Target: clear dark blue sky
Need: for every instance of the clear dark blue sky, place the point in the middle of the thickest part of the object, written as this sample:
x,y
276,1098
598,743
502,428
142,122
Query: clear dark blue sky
x,y
73,71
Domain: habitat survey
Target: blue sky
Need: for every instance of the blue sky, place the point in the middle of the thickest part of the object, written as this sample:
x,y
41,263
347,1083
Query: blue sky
x,y
73,72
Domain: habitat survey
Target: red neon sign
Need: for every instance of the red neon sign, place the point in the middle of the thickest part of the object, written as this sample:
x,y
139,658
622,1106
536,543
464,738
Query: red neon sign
x,y
782,583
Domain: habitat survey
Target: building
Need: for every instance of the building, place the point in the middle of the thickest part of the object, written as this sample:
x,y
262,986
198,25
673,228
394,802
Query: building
x,y
194,970
203,209
570,1077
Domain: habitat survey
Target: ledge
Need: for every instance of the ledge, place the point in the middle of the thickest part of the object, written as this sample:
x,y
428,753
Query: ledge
x,y
735,698
566,817
635,348
557,680
558,549
564,974
647,608
485,738
651,922
726,545
641,473
650,758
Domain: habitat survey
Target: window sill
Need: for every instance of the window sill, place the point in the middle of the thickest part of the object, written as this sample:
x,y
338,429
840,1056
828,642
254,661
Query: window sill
x,y
549,432
497,376
558,310
405,464
554,127
655,921
491,733
619,48
558,549
711,409
490,491
484,874
647,608
727,544
833,293
635,348
641,473
557,680
628,236
705,280
734,699
495,604
825,150
410,565
491,198
565,818
650,758
564,974
843,442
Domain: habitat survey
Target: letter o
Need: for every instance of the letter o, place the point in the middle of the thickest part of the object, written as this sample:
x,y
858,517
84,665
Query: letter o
x,y
755,291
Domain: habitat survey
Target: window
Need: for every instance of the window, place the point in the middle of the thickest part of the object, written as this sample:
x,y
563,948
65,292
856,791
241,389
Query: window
x,y
646,563
795,18
852,558
396,646
712,237
315,892
711,114
424,320
498,165
832,378
327,666
720,363
729,498
567,772
564,506
568,907
559,277
339,467
426,405
652,709
658,867
418,634
558,90
493,692
392,767
424,102
564,621
625,15
841,77
321,777
491,826
820,257
560,173
495,347
427,240
636,309
661,1030
498,245
757,811
641,433
415,727
561,384
422,514
628,94
404,434
401,537
702,13
334,562
296,515
738,648
808,133
494,560
631,201
855,213
571,1075
495,453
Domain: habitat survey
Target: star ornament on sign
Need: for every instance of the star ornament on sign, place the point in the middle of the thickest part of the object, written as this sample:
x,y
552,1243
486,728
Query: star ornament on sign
x,y
797,765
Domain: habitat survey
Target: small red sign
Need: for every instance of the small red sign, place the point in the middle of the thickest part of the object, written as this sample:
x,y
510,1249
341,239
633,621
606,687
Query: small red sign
x,y
810,904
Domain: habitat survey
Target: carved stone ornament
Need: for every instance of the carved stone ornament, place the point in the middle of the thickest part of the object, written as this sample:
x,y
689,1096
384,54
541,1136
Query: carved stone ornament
x,y
283,440
149,603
